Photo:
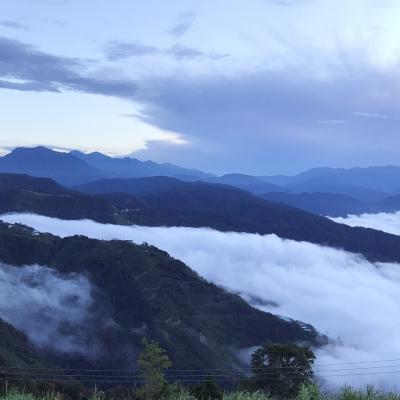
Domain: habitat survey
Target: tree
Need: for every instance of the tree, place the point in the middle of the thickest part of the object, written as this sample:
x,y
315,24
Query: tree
x,y
153,362
208,390
281,369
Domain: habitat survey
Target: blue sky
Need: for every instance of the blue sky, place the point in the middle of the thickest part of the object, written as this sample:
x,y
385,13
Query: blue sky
x,y
255,86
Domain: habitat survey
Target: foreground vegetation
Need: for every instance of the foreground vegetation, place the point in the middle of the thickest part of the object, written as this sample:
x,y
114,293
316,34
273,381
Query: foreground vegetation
x,y
307,392
279,372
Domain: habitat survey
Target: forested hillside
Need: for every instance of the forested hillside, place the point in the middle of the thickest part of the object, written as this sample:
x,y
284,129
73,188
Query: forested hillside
x,y
140,291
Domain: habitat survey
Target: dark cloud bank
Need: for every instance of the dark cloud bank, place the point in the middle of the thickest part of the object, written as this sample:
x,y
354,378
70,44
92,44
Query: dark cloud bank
x,y
258,122
24,67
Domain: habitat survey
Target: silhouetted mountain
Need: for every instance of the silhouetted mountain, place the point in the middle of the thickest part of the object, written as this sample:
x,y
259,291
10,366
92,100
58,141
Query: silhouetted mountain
x,y
133,186
225,208
21,193
333,205
389,205
19,181
143,292
246,182
335,185
326,204
43,162
132,167
157,183
284,180
384,179
66,206
367,184
199,204
75,167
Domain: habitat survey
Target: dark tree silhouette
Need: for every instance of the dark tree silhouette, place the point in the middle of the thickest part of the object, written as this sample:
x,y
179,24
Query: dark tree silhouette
x,y
281,369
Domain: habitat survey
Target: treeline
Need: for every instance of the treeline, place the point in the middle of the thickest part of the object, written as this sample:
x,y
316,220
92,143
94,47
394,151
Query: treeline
x,y
277,371
306,392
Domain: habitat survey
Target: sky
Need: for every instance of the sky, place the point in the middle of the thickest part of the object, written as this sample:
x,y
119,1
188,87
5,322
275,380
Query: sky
x,y
256,86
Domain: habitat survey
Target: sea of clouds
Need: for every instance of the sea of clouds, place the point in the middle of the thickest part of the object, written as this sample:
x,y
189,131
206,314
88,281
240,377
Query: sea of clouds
x,y
343,295
387,222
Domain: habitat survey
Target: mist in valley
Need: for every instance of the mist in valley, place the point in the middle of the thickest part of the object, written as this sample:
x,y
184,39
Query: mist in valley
x,y
63,315
50,309
387,222
353,301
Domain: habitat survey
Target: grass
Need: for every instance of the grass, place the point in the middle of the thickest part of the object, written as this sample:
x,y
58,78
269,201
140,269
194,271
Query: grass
x,y
20,395
309,392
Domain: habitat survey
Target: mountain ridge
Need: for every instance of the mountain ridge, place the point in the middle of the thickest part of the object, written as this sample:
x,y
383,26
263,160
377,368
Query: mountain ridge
x,y
199,204
132,167
145,292
76,168
43,162
364,183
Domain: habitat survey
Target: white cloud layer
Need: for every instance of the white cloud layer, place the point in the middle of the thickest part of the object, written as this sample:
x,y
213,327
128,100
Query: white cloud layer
x,y
343,295
387,222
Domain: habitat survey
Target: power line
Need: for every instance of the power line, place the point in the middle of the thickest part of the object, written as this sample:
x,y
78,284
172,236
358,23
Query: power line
x,y
192,370
117,378
238,378
273,371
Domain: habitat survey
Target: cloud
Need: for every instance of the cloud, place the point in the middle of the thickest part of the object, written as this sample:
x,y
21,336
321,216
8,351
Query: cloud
x,y
267,115
63,314
182,52
372,115
50,309
120,50
343,295
182,27
387,222
24,67
14,25
332,121
116,51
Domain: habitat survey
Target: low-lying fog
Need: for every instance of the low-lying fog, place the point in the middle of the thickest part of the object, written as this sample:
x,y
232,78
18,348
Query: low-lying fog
x,y
387,222
49,308
343,295
61,313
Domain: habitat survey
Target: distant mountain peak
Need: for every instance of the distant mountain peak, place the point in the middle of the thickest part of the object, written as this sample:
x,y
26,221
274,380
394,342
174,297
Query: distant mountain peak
x,y
34,149
129,167
41,161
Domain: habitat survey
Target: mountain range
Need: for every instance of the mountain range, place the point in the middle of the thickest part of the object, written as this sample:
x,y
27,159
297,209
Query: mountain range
x,y
132,167
195,204
76,167
372,184
334,204
368,184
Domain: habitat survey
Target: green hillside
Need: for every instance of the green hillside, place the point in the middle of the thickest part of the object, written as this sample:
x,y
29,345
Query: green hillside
x,y
148,293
